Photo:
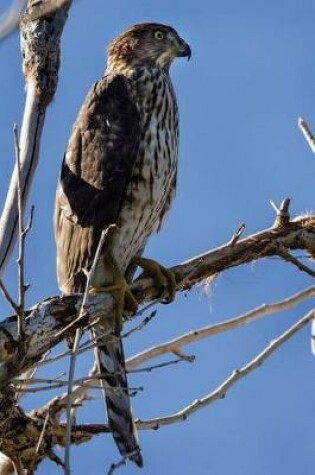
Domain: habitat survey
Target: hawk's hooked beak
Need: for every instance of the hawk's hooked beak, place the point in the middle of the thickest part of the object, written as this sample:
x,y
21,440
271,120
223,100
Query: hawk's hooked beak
x,y
183,49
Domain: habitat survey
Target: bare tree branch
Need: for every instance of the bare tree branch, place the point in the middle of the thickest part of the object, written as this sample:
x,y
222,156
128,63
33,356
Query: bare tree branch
x,y
79,393
45,324
235,377
56,433
40,41
175,345
218,393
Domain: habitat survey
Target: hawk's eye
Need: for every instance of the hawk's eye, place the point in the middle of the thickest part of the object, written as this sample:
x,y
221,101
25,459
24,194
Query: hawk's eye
x,y
159,35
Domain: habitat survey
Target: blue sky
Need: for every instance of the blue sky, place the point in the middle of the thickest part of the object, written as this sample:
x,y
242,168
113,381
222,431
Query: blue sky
x,y
250,77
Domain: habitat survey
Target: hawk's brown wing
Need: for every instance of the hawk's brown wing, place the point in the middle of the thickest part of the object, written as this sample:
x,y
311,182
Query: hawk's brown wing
x,y
94,176
95,172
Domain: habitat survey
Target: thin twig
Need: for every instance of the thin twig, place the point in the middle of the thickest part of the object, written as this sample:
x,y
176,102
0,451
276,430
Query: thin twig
x,y
141,325
149,369
89,385
59,382
83,348
149,305
285,254
177,343
309,137
28,376
18,467
57,406
39,443
21,285
8,297
182,356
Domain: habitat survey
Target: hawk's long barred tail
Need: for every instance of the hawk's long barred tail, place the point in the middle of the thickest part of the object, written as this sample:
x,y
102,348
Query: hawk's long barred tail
x,y
111,365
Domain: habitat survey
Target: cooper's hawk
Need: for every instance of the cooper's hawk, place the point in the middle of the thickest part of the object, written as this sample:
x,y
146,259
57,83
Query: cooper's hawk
x,y
119,168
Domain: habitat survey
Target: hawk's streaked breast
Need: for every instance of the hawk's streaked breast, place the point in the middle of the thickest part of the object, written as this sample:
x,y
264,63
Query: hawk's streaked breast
x,y
153,178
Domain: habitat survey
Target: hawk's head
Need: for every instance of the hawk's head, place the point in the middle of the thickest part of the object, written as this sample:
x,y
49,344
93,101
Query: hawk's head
x,y
146,44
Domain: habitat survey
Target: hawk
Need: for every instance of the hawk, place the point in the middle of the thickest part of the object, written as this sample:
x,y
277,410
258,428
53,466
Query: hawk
x,y
120,169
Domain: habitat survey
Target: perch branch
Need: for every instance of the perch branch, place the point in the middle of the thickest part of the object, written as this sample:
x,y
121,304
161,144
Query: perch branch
x,y
45,323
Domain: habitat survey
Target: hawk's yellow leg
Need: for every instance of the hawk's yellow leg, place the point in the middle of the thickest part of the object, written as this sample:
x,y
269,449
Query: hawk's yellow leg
x,y
120,291
164,278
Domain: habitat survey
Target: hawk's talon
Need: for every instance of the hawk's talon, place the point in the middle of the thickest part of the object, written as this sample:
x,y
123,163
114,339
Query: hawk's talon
x,y
171,286
124,298
163,277
130,301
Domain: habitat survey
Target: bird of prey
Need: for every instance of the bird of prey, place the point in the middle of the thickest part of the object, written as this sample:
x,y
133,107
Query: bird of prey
x,y
120,169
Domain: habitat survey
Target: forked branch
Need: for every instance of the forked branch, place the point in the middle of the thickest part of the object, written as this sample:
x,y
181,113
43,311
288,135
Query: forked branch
x,y
48,322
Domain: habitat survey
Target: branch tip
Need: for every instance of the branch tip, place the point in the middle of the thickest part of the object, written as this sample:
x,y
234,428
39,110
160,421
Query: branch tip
x,y
282,213
237,235
309,137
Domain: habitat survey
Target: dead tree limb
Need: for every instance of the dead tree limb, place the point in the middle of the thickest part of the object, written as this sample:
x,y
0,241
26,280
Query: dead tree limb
x,y
175,345
40,45
235,377
48,322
